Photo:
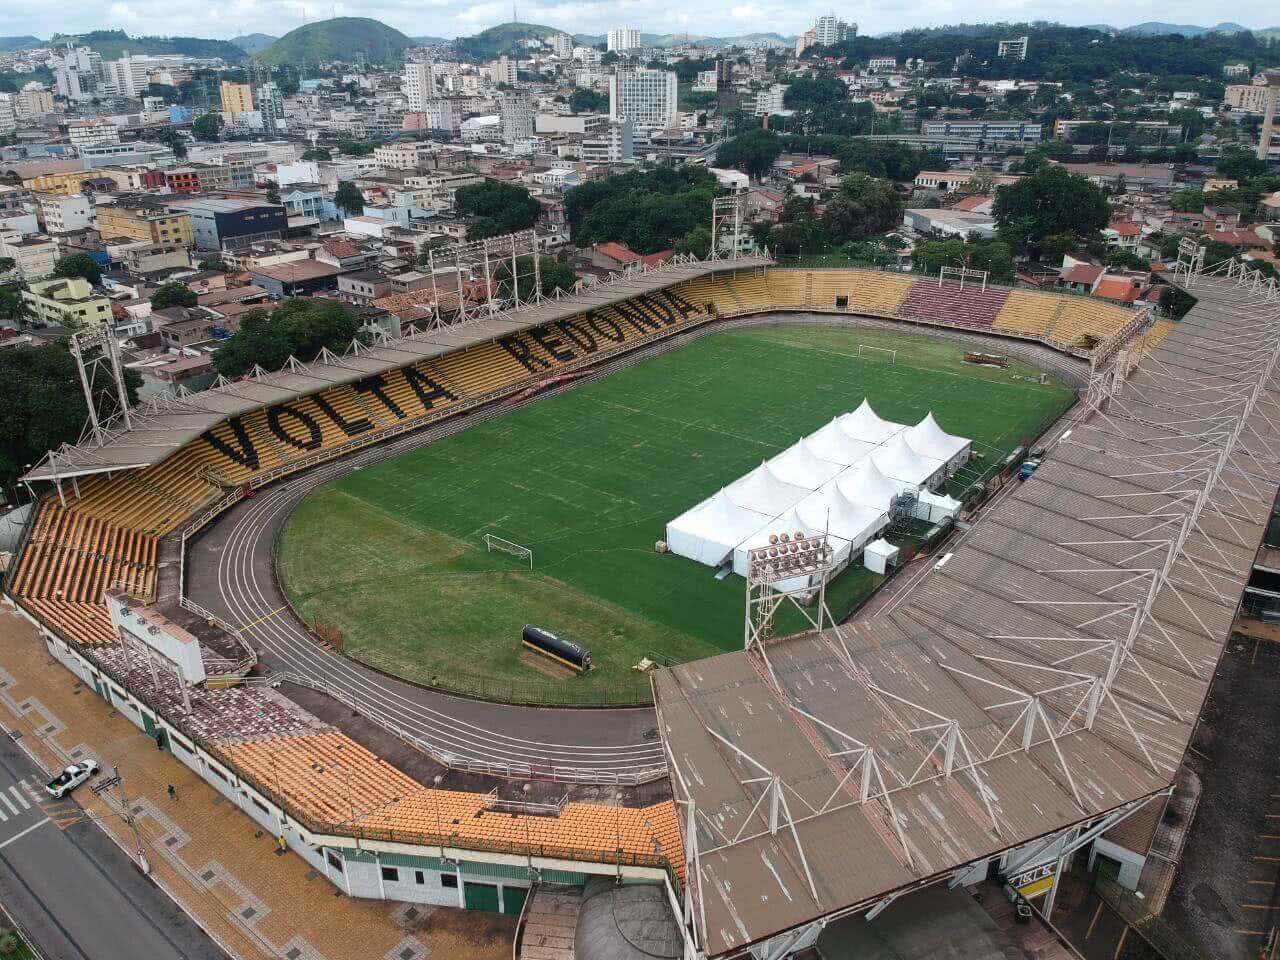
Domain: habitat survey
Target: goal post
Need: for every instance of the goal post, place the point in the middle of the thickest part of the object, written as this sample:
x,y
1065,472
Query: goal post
x,y
493,543
868,352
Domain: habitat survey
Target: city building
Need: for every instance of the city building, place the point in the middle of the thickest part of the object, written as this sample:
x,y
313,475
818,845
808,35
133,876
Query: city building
x,y
623,39
66,301
8,114
418,84
270,105
144,221
88,133
562,45
409,155
516,114
580,124
77,73
806,40
645,97
1015,49
128,154
771,100
236,97
33,257
65,212
829,29
1247,97
227,223
33,103
502,70
126,77
986,130
613,144
68,182
882,64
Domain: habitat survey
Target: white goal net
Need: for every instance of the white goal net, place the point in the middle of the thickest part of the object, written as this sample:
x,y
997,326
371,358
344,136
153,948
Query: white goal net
x,y
493,543
868,352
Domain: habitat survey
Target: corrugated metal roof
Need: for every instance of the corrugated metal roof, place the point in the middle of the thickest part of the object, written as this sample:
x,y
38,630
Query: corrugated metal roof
x,y
1061,583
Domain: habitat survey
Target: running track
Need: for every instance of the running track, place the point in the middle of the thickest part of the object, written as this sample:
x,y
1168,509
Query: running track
x,y
230,572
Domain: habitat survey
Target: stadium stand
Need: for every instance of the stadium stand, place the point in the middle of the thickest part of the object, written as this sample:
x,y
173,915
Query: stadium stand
x,y
335,781
952,304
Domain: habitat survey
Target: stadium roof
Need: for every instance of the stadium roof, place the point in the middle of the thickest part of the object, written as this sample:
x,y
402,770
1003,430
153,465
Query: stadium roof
x,y
161,428
1047,670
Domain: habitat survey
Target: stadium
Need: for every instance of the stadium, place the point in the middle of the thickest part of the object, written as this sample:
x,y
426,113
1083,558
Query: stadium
x,y
1016,697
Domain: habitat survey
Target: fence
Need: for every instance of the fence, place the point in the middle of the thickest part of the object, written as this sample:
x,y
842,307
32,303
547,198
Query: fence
x,y
1153,930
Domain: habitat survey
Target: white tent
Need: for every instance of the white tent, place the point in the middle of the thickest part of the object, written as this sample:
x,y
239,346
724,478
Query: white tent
x,y
865,484
834,444
709,532
935,507
762,491
867,425
789,523
830,510
798,464
898,461
932,441
879,556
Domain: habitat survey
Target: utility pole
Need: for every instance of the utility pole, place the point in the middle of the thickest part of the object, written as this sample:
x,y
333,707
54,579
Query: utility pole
x,y
101,788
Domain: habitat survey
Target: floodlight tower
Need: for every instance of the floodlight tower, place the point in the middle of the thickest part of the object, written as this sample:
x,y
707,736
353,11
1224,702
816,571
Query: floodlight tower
x,y
791,568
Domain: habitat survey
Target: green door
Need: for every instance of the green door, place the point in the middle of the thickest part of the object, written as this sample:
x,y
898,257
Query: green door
x,y
480,896
149,724
513,899
1106,868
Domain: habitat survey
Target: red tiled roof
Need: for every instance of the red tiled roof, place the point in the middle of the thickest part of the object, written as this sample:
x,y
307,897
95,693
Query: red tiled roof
x,y
970,203
654,259
341,248
1126,229
618,252
1082,273
1117,288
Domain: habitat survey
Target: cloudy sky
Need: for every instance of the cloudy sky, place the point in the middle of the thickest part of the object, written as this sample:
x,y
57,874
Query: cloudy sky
x,y
448,18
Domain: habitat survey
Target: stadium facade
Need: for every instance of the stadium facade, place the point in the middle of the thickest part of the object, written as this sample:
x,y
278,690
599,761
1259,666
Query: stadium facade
x,y
1036,687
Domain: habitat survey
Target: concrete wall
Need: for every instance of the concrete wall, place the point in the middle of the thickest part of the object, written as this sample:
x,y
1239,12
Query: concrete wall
x,y
1131,863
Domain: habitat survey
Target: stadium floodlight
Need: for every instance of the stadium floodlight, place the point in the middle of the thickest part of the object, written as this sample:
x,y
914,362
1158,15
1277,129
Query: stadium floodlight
x,y
791,567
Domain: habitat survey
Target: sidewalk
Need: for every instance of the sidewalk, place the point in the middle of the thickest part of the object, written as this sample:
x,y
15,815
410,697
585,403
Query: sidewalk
x,y
215,861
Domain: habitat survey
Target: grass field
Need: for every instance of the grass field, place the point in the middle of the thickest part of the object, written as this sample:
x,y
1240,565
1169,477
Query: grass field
x,y
393,555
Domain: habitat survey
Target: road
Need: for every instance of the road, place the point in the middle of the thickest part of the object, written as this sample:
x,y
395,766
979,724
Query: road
x,y
74,891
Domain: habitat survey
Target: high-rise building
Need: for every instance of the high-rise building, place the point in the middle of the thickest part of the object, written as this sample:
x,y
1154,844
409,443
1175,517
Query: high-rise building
x,y
77,73
270,103
623,39
418,84
562,45
502,70
645,97
517,118
831,29
1015,49
610,145
33,103
236,97
8,114
771,100
126,77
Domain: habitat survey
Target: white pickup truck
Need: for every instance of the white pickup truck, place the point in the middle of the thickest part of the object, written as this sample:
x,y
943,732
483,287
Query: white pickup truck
x,y
71,777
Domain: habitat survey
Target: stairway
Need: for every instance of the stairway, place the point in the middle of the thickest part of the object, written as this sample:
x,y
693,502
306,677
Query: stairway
x,y
550,922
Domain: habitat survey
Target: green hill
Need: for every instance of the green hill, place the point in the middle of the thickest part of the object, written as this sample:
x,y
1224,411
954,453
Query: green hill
x,y
504,38
338,39
19,43
254,42
112,44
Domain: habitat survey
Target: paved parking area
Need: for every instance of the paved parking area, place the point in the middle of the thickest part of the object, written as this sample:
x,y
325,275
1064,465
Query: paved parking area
x,y
1227,893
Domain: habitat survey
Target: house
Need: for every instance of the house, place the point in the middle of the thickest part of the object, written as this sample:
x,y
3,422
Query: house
x,y
296,279
763,204
181,327
965,224
363,286
1122,236
66,301
1080,277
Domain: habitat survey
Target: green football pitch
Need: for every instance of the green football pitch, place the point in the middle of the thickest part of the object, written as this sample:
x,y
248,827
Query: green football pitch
x,y
394,555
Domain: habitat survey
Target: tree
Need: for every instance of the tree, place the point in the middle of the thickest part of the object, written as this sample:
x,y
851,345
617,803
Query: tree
x,y
861,208
273,193
206,127
349,198
174,294
553,274
1238,163
752,152
356,148
79,265
43,404
499,208
175,141
1051,201
316,153
213,263
697,242
648,211
297,327
611,57
11,305
585,100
